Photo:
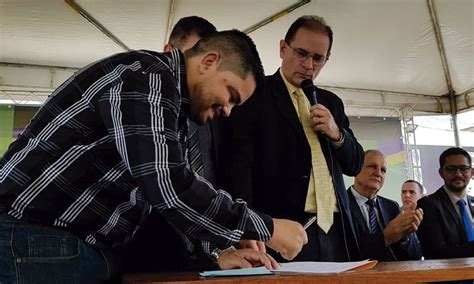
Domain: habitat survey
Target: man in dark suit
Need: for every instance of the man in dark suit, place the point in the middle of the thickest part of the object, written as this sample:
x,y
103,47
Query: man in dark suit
x,y
286,157
384,233
447,230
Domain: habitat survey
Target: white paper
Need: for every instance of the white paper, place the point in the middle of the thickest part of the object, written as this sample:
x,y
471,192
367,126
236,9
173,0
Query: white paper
x,y
319,267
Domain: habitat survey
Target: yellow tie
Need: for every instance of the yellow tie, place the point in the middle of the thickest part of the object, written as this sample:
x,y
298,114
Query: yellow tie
x,y
321,194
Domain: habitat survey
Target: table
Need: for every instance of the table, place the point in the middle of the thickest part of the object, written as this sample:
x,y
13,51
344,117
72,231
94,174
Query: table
x,y
387,272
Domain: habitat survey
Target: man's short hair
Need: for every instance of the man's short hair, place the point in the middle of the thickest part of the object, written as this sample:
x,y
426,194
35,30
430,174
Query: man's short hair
x,y
451,152
418,184
238,53
188,26
312,23
373,151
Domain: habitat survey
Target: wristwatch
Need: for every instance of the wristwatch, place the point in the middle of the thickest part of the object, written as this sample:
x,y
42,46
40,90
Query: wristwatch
x,y
217,252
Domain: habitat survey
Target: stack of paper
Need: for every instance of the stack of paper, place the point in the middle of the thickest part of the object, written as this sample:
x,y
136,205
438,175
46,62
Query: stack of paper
x,y
325,267
297,267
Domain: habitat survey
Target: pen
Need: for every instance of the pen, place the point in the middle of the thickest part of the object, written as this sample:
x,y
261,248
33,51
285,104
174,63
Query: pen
x,y
309,222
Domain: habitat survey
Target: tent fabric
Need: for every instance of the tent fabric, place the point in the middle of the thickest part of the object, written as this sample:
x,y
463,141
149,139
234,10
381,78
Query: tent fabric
x,y
385,55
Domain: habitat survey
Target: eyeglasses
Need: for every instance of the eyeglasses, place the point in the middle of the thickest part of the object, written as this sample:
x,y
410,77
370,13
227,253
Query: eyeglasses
x,y
454,169
303,55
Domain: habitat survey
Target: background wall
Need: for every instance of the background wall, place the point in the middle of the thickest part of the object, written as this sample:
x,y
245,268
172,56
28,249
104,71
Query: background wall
x,y
13,120
6,127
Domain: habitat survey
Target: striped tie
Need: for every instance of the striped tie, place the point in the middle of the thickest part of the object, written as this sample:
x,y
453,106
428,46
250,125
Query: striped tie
x,y
320,187
374,226
466,220
194,153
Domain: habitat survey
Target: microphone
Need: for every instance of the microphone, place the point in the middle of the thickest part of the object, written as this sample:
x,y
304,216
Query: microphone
x,y
309,90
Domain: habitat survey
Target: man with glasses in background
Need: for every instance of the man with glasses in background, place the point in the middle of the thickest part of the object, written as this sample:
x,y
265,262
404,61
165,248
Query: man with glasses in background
x,y
286,157
447,228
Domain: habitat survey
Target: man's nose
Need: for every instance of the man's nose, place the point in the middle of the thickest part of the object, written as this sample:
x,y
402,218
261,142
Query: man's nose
x,y
308,63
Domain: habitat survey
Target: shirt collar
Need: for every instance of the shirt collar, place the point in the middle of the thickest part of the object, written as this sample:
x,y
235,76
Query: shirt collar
x,y
453,197
290,87
361,200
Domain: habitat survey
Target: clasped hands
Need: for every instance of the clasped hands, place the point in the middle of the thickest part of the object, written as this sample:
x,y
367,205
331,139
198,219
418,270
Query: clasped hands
x,y
406,222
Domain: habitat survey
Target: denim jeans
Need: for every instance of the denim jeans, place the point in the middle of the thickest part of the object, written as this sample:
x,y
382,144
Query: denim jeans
x,y
38,254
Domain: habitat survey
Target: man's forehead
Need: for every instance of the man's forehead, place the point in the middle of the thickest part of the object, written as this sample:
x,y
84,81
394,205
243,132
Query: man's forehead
x,y
409,186
455,159
375,158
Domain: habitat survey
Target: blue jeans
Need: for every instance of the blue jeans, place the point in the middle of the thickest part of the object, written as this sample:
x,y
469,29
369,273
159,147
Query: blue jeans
x,y
38,254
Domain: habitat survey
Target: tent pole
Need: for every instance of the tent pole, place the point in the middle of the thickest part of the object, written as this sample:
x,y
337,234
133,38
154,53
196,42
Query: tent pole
x,y
444,62
96,23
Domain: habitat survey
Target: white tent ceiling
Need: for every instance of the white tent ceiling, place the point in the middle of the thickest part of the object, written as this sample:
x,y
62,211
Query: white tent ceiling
x,y
386,55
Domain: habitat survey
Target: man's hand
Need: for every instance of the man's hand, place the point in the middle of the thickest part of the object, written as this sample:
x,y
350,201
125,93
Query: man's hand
x,y
288,238
323,121
255,245
246,258
406,222
409,205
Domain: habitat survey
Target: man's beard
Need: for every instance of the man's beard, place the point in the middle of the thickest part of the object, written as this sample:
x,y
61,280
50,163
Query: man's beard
x,y
454,188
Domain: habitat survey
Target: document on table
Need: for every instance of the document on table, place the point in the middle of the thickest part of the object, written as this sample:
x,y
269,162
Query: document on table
x,y
325,267
296,267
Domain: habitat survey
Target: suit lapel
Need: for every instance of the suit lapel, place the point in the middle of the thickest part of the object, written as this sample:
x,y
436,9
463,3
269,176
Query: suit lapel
x,y
356,213
282,100
449,207
383,212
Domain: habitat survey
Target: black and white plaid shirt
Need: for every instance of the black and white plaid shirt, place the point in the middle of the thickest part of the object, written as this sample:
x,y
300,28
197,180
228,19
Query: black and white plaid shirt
x,y
107,147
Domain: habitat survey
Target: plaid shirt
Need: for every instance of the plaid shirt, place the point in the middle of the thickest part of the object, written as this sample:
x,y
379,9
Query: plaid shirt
x,y
107,148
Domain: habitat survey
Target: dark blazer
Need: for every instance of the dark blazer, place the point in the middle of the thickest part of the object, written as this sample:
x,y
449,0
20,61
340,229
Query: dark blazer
x,y
373,246
441,232
268,158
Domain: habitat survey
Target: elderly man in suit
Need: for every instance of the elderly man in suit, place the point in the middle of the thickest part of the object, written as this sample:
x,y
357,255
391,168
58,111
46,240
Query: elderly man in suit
x,y
384,232
447,230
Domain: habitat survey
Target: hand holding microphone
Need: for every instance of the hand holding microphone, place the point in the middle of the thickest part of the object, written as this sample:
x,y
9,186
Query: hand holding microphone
x,y
321,118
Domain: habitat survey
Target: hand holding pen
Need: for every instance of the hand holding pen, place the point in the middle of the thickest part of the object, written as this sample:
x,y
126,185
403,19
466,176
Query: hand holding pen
x,y
288,238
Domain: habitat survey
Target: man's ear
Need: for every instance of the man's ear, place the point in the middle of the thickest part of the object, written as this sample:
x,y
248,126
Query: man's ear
x,y
168,47
209,60
282,48
327,56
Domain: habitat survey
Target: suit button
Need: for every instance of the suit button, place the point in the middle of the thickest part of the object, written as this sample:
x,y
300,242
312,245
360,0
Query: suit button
x,y
305,177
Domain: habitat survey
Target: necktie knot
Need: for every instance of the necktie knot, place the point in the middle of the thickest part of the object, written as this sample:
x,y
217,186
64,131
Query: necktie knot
x,y
371,203
461,203
297,93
